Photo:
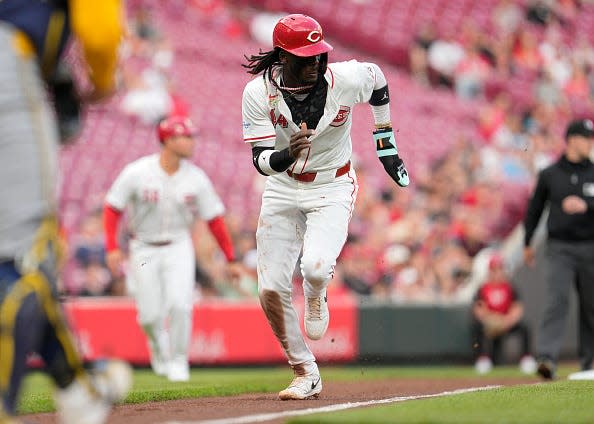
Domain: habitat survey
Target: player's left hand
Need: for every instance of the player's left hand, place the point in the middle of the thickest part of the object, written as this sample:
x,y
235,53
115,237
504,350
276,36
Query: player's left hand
x,y
395,168
401,173
234,270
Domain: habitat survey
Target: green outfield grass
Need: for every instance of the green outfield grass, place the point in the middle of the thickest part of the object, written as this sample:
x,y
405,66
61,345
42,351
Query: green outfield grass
x,y
559,402
563,402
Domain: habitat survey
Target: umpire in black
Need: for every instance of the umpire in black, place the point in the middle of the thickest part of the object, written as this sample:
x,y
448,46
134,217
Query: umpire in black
x,y
567,187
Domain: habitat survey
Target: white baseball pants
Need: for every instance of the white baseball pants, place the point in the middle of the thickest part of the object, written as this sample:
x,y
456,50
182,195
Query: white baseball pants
x,y
161,279
297,217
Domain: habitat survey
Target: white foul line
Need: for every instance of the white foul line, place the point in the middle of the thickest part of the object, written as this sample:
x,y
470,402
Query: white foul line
x,y
258,418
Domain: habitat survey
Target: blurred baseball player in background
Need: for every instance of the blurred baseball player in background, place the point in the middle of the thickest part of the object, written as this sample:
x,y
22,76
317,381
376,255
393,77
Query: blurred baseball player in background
x,y
33,35
165,193
297,119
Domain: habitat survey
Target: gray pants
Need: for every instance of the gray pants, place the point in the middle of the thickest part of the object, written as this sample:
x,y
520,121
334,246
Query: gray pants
x,y
568,264
28,149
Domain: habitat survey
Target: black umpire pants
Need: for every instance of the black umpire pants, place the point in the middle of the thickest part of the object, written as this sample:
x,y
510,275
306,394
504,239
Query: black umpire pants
x,y
483,345
568,264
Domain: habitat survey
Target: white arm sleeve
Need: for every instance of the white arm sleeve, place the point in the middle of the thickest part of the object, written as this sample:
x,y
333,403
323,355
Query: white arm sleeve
x,y
381,115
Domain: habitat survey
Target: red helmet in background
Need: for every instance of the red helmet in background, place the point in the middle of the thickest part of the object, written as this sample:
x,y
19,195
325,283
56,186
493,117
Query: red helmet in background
x,y
300,35
175,125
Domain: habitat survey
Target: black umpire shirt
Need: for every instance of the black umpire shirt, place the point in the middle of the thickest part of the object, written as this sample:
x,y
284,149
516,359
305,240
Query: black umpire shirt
x,y
555,183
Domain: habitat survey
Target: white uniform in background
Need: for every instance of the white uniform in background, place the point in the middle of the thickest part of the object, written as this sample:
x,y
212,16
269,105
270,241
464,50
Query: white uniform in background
x,y
161,210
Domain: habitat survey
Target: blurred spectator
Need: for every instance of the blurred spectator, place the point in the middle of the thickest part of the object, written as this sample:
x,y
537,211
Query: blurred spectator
x,y
357,264
444,55
416,281
539,12
452,267
525,54
497,313
418,53
94,278
471,73
147,92
547,91
143,25
506,17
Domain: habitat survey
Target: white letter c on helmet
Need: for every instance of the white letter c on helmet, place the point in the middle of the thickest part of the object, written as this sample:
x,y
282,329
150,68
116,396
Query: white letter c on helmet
x,y
314,36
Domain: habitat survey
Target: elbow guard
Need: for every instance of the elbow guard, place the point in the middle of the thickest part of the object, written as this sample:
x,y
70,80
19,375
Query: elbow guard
x,y
269,161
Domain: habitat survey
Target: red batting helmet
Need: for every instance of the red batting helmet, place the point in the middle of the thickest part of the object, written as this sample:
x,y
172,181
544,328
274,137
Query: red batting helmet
x,y
175,125
300,35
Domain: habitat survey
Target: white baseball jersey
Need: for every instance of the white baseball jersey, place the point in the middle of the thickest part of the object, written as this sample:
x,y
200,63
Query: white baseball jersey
x,y
267,120
304,218
163,207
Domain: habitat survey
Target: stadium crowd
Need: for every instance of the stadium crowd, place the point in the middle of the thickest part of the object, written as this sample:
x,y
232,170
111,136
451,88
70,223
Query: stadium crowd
x,y
417,244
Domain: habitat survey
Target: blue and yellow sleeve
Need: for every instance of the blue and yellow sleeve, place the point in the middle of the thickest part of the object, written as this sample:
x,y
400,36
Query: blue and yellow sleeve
x,y
99,26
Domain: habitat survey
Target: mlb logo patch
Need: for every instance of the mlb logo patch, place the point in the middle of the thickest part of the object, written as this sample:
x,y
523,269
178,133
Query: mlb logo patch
x,y
341,116
588,189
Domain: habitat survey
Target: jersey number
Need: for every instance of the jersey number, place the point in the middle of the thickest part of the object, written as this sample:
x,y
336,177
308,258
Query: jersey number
x,y
150,196
281,120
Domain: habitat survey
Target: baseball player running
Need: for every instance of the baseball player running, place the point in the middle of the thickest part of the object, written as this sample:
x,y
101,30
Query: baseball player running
x,y
297,119
33,35
165,193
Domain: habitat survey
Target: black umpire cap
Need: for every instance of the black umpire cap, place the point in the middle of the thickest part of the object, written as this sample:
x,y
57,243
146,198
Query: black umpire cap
x,y
583,127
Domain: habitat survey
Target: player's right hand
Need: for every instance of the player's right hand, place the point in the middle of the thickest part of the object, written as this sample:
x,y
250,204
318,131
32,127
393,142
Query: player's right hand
x,y
114,260
529,256
300,141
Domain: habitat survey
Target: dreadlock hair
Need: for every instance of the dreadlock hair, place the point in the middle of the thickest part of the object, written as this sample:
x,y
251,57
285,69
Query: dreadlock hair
x,y
263,62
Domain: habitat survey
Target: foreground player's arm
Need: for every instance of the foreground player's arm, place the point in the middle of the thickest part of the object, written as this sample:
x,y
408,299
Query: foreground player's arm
x,y
385,141
98,25
269,161
259,132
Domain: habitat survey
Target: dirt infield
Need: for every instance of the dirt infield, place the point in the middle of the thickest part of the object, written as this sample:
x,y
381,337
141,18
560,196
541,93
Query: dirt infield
x,y
250,404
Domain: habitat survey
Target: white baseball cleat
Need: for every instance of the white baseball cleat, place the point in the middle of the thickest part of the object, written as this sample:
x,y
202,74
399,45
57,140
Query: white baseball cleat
x,y
159,367
304,387
483,365
178,370
89,398
528,364
316,317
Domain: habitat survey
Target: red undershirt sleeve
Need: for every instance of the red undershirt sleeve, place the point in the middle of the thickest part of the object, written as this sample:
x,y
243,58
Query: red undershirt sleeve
x,y
111,218
219,231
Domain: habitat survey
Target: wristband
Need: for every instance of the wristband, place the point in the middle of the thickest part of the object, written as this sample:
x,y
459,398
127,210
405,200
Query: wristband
x,y
385,142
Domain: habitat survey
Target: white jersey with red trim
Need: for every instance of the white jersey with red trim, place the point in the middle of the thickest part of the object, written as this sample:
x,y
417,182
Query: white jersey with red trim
x,y
161,206
267,120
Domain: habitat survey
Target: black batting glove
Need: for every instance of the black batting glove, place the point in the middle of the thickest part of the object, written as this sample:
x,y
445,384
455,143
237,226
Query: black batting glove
x,y
385,144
